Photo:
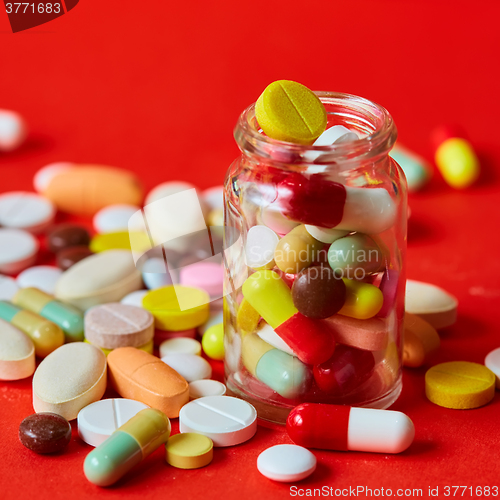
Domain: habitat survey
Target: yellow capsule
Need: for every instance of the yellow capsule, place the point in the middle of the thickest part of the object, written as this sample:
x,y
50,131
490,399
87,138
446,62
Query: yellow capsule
x,y
362,300
247,318
457,162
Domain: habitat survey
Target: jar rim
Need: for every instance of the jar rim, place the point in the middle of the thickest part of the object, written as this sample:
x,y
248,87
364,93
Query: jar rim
x,y
367,115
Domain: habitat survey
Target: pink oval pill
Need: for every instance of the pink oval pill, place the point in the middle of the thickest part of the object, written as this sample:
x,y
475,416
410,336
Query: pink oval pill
x,y
206,275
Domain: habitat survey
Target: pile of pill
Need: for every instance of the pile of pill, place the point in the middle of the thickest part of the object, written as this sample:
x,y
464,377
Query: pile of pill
x,y
103,319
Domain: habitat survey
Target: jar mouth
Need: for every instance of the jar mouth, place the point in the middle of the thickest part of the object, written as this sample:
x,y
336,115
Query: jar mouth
x,y
371,121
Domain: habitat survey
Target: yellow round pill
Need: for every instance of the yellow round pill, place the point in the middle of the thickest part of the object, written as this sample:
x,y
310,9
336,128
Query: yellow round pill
x,y
177,308
189,450
213,342
457,162
122,240
289,111
460,385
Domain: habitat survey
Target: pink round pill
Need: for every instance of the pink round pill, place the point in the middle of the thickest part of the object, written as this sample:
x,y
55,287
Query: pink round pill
x,y
206,275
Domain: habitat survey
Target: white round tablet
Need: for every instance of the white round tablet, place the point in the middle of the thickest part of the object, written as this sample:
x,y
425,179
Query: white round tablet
x,y
43,177
189,366
155,273
113,218
180,345
206,387
492,362
8,287
18,250
97,421
134,298
41,277
227,421
267,333
13,130
260,246
166,189
286,463
28,211
213,197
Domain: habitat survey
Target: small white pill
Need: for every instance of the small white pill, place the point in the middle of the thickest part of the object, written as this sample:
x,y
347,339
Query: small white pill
x,y
260,246
113,218
13,130
189,366
492,362
213,197
155,273
18,250
227,421
8,287
180,345
206,387
97,421
41,277
134,298
325,235
286,463
28,211
166,189
43,177
267,334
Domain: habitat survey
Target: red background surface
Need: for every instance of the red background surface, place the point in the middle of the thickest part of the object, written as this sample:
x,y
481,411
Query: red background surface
x,y
156,87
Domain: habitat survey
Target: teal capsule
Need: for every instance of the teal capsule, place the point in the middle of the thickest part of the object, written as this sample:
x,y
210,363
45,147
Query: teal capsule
x,y
66,316
129,445
416,169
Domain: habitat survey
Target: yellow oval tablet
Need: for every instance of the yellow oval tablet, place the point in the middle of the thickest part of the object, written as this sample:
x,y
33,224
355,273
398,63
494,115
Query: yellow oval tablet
x,y
460,385
120,241
288,111
189,450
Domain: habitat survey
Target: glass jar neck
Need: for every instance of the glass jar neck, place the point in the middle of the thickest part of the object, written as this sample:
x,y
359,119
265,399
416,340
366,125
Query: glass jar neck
x,y
372,123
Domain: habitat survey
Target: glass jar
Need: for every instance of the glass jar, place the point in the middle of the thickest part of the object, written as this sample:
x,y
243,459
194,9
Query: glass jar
x,y
292,335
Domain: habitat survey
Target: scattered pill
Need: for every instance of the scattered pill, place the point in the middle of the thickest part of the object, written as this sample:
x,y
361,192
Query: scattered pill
x,y
18,250
227,421
289,111
492,362
156,274
13,130
98,279
69,379
129,445
122,240
421,341
180,345
137,375
206,387
189,450
97,421
431,303
260,247
45,433
178,307
46,336
417,170
460,385
363,301
266,333
67,317
28,211
113,218
189,366
8,287
66,236
42,277
70,256
208,276
334,427
213,197
213,342
167,189
17,353
286,463
134,298
44,176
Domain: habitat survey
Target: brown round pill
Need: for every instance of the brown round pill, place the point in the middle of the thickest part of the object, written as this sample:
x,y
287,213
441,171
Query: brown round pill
x,y
45,433
317,293
70,256
66,236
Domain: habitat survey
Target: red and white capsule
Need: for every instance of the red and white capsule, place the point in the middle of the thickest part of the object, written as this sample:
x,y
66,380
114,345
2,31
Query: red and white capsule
x,y
335,427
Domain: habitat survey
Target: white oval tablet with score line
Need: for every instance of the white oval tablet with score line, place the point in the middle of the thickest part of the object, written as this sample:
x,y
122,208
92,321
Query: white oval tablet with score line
x,y
97,421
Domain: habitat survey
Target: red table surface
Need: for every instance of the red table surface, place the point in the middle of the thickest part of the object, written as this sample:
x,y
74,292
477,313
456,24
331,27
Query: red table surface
x,y
156,88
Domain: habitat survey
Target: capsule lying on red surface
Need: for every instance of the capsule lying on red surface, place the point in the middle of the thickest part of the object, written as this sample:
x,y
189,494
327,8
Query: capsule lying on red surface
x,y
336,427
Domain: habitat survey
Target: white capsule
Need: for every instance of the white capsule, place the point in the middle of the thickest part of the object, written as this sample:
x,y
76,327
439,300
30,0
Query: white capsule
x,y
267,334
13,130
325,235
338,134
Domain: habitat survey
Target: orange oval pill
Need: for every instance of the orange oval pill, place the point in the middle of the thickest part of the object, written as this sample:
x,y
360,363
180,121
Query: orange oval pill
x,y
421,341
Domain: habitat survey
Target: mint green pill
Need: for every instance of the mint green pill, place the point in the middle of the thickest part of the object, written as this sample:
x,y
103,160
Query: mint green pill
x,y
8,311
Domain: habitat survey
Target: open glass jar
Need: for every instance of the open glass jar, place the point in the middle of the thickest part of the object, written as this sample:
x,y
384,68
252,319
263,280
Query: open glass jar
x,y
319,317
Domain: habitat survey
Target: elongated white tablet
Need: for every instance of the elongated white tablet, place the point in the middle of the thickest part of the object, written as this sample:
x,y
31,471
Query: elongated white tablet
x,y
180,345
28,211
286,463
8,287
206,387
492,362
113,218
13,130
97,421
260,246
189,366
42,277
18,250
227,421
43,177
432,303
134,298
267,334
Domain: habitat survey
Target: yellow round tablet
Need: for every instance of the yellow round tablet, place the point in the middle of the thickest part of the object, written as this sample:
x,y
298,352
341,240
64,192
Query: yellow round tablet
x,y
189,450
213,342
147,347
288,111
177,307
460,385
120,241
